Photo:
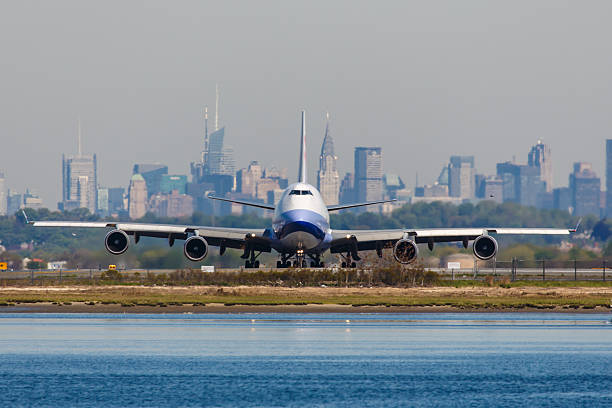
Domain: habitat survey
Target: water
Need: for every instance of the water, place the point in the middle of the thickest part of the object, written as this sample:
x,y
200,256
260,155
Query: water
x,y
330,360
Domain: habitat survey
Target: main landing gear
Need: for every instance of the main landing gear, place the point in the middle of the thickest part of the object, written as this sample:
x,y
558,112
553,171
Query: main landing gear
x,y
300,260
348,261
251,258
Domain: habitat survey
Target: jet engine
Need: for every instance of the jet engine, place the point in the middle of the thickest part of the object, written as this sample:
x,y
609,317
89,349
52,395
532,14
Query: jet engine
x,y
405,251
196,248
484,247
116,242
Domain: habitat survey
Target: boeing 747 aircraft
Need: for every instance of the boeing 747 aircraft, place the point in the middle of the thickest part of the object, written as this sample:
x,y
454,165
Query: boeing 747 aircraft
x,y
300,231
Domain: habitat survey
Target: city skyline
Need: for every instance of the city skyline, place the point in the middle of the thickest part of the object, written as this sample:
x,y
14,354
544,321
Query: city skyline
x,y
436,80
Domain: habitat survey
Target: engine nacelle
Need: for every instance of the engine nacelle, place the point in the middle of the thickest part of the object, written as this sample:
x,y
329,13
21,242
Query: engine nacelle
x,y
405,251
196,248
484,247
116,242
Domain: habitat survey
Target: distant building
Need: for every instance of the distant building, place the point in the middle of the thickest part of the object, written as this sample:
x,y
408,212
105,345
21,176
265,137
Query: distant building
x,y
102,201
246,179
14,202
562,199
433,190
116,200
79,179
3,199
328,179
540,158
221,157
171,182
265,185
152,173
521,183
585,187
392,184
347,189
368,173
137,196
33,200
174,204
461,177
493,189
609,177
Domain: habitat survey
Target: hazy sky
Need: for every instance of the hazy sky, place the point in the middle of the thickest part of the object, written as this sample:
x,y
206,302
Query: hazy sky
x,y
422,79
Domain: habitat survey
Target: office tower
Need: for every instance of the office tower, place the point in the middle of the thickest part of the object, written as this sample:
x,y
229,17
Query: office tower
x,y
609,177
368,183
80,179
137,196
174,204
520,183
116,197
562,199
347,189
169,183
539,157
493,189
246,179
328,179
585,188
102,201
14,202
33,200
461,176
3,198
392,183
152,174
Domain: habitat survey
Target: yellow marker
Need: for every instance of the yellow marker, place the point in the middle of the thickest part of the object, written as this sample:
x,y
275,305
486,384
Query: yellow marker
x,y
3,266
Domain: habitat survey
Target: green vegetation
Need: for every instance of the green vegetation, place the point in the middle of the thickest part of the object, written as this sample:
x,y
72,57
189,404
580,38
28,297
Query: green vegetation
x,y
83,247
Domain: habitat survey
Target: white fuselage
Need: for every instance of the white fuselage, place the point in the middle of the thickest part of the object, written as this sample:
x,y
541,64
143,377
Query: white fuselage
x,y
301,220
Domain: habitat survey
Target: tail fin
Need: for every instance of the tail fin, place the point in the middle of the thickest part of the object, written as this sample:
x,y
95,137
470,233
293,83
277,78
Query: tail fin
x,y
302,171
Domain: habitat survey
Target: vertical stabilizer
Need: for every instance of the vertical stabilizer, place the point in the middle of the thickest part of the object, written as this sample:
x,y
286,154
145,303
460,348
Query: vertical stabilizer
x,y
302,172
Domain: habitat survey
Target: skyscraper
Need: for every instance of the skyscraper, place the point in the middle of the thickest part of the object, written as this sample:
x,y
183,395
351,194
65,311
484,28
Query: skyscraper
x,y
539,157
609,177
585,189
80,179
3,199
328,179
520,183
217,158
461,177
152,174
368,173
137,196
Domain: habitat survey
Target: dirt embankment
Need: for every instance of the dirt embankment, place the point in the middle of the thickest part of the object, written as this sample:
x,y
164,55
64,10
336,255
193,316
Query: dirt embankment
x,y
259,299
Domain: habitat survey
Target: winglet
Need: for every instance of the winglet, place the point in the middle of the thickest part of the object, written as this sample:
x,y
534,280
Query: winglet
x,y
25,216
577,225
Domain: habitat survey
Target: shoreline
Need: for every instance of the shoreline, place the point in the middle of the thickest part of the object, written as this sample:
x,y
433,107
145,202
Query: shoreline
x,y
275,299
220,308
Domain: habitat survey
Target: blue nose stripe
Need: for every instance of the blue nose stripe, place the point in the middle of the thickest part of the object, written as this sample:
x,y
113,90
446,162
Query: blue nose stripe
x,y
303,221
302,226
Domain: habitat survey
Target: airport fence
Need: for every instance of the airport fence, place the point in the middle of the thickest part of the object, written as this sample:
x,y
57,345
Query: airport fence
x,y
512,270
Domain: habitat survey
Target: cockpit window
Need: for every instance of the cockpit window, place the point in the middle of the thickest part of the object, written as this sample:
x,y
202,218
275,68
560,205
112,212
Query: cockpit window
x,y
300,192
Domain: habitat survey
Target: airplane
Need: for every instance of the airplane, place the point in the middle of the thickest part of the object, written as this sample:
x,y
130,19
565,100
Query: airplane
x,y
301,229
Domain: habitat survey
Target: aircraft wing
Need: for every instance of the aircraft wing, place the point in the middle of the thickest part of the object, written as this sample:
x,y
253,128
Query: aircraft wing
x,y
342,240
216,236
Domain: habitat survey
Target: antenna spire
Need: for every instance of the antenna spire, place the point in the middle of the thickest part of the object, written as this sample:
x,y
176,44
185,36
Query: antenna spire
x,y
79,146
216,107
